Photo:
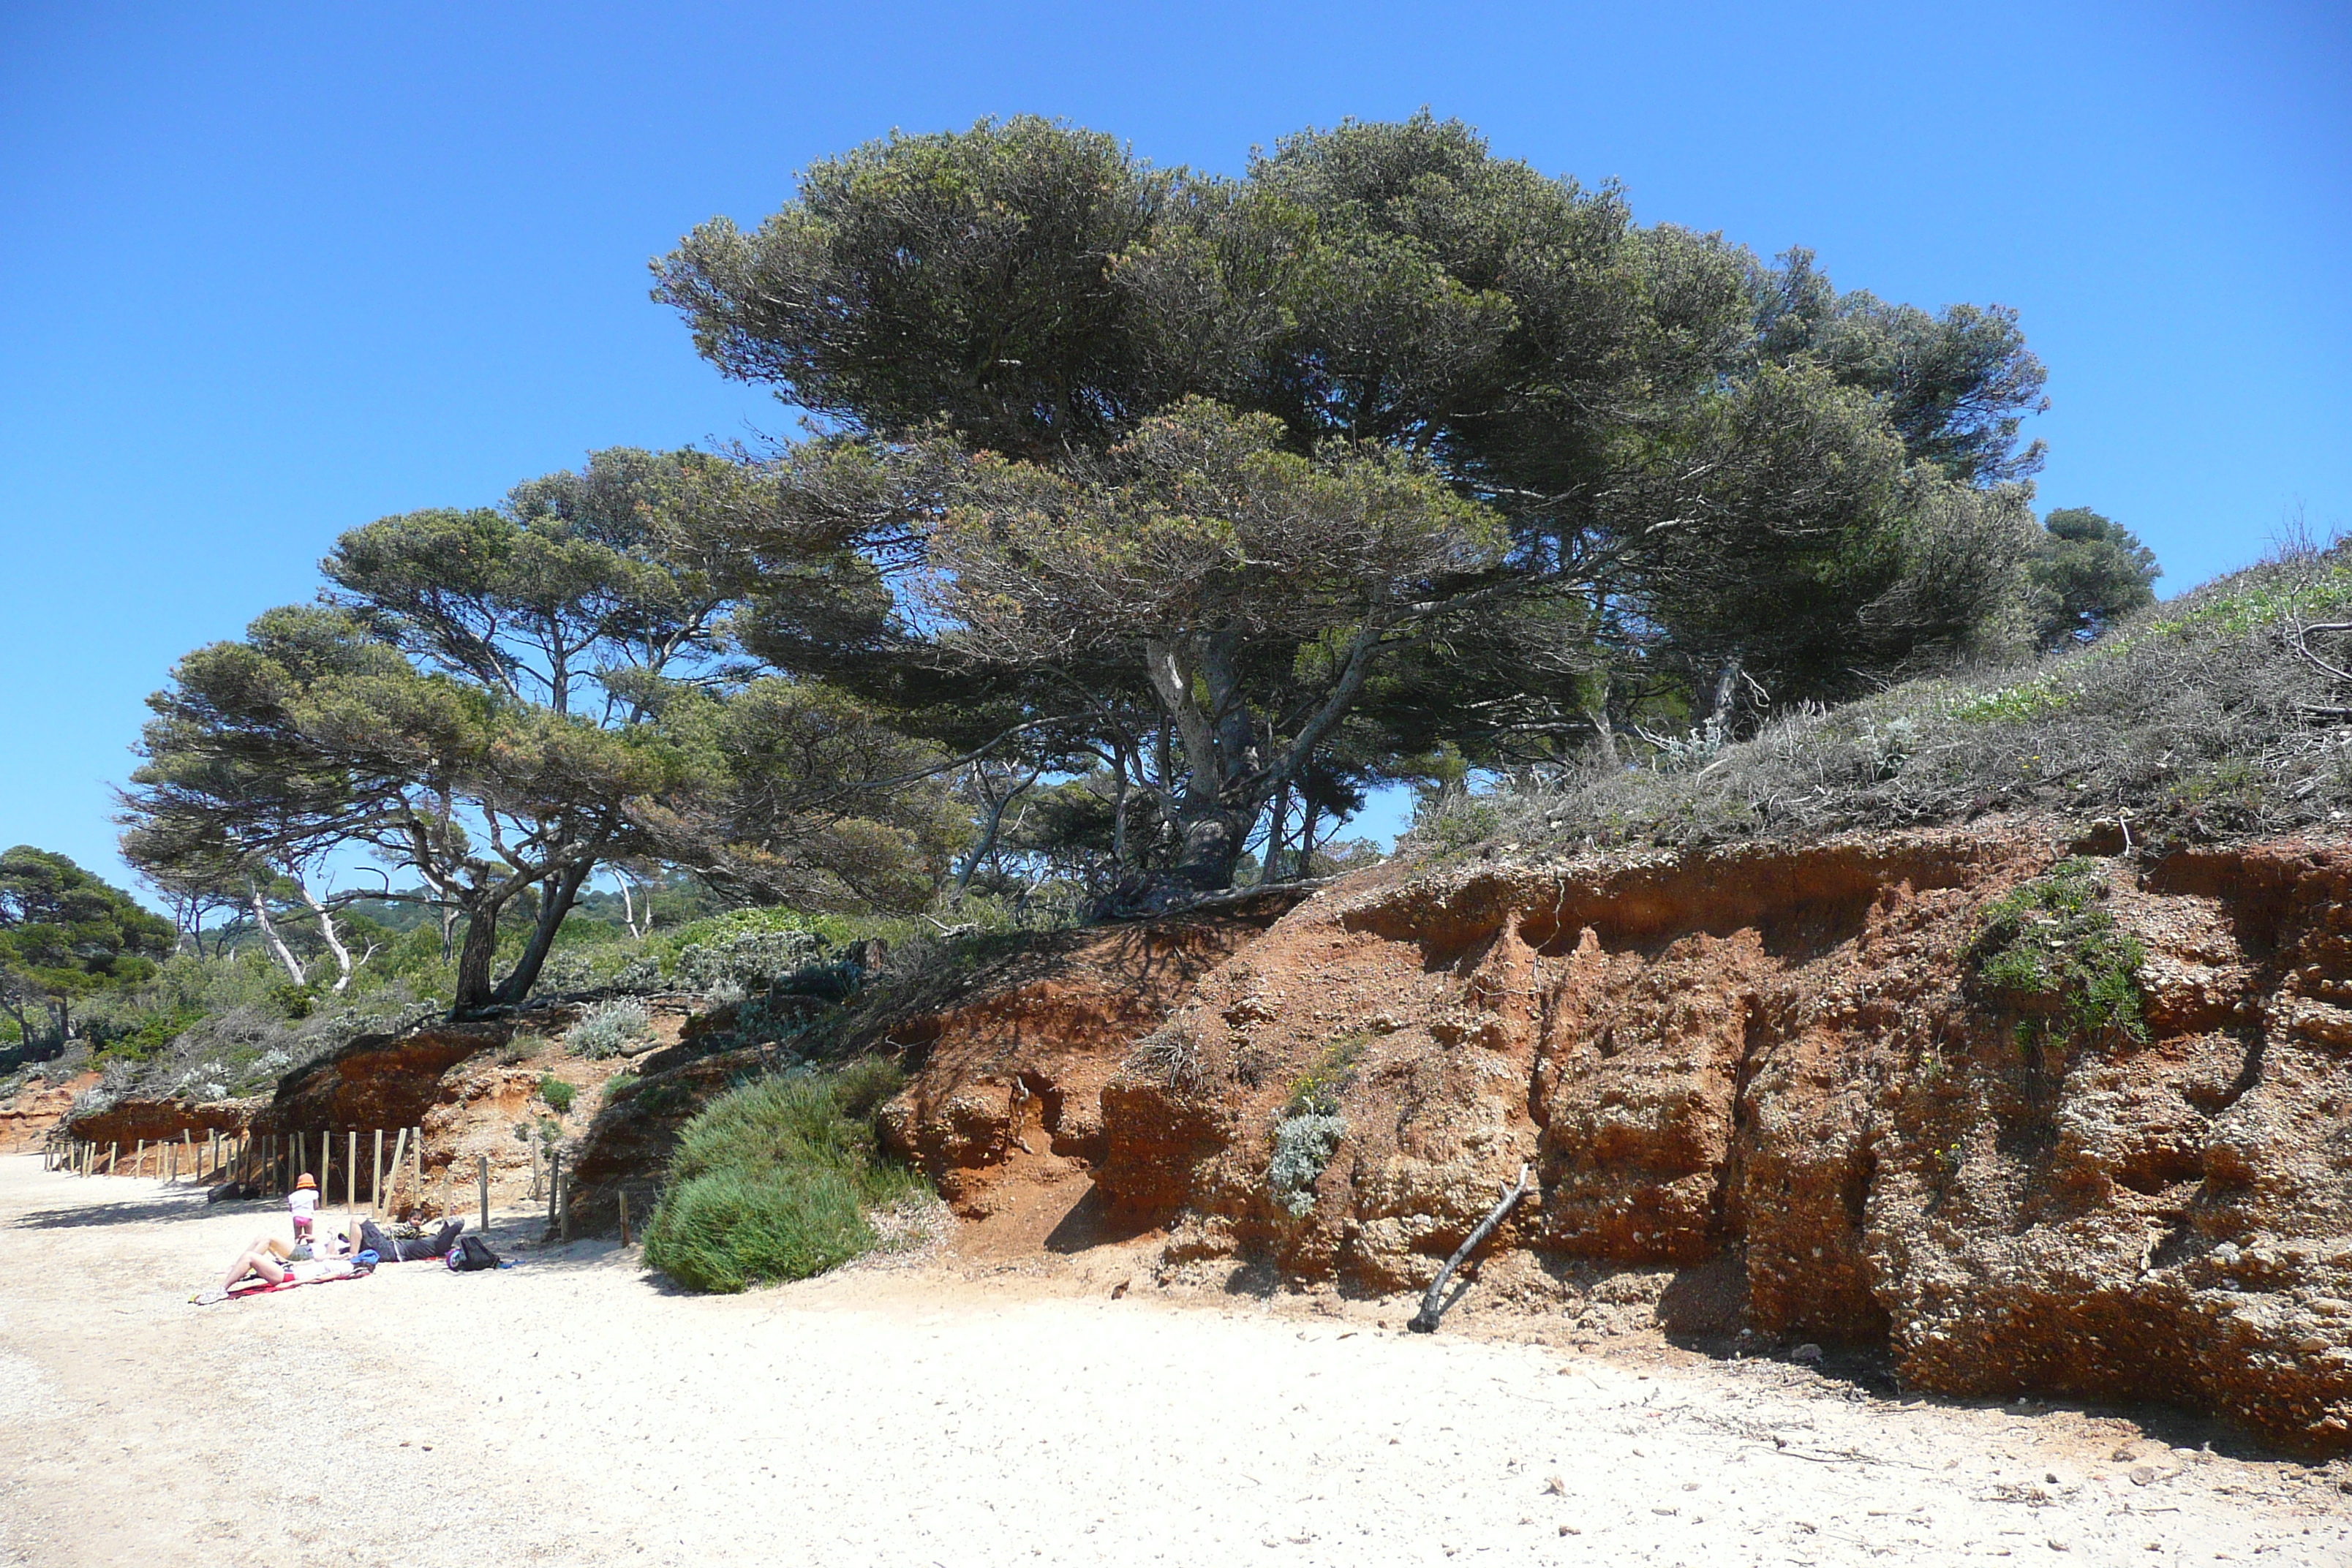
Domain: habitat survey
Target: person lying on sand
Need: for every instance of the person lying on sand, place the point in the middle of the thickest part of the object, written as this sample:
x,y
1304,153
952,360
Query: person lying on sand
x,y
272,1260
390,1249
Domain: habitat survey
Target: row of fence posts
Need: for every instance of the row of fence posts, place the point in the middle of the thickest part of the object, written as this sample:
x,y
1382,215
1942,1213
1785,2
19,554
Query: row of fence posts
x,y
269,1161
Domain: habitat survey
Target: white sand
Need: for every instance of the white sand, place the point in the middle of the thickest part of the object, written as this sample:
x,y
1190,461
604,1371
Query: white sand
x,y
571,1411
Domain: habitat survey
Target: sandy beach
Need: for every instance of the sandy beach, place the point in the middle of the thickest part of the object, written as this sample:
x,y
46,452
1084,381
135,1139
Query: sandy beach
x,y
572,1410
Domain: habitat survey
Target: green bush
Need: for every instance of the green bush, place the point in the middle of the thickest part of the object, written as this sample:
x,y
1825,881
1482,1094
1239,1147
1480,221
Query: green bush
x,y
557,1093
1303,1144
2047,944
771,1181
1316,1092
609,1028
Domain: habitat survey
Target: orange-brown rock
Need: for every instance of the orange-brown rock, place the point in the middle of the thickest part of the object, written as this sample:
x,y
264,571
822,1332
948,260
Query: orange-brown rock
x,y
27,1120
1766,1068
1020,1057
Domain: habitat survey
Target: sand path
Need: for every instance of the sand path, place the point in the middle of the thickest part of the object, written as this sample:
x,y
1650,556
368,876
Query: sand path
x,y
571,1411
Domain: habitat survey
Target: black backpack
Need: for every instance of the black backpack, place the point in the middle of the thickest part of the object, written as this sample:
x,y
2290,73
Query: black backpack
x,y
471,1252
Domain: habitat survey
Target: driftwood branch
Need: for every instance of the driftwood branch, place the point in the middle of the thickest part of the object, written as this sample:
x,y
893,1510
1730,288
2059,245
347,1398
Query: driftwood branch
x,y
1432,1305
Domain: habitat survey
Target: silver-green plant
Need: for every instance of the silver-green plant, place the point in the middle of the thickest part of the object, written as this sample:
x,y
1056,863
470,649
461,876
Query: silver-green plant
x,y
609,1028
1303,1146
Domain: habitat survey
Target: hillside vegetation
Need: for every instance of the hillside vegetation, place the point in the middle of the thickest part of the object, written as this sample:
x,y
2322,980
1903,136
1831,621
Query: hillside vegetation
x,y
2201,716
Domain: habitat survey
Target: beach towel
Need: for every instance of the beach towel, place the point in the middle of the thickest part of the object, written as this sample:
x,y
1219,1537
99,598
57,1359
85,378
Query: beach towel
x,y
255,1286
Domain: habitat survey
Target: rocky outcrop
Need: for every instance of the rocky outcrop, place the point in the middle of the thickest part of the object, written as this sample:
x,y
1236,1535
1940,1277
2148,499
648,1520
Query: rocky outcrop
x,y
1779,1071
38,1108
1023,1056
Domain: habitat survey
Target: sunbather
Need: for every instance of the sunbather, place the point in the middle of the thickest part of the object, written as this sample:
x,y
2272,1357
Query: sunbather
x,y
272,1261
390,1249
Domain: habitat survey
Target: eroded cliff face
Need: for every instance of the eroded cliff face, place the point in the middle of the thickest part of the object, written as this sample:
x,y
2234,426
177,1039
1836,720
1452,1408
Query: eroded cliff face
x,y
1773,1065
473,1091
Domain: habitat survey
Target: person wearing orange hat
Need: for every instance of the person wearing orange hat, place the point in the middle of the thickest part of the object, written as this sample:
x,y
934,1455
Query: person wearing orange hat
x,y
302,1203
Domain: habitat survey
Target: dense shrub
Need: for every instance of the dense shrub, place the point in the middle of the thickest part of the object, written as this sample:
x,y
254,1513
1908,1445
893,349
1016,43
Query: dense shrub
x,y
771,1181
609,1028
557,1093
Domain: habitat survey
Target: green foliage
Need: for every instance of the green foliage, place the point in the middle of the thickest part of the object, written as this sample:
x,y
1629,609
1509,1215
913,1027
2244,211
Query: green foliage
x,y
620,1086
2195,717
609,1028
772,1181
2048,945
1304,1143
66,935
1454,825
2088,573
557,1093
1172,455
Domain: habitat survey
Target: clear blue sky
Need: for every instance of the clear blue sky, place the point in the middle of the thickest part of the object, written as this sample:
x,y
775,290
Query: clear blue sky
x,y
270,272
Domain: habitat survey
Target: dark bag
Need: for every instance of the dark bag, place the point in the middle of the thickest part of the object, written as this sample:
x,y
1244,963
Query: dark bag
x,y
471,1252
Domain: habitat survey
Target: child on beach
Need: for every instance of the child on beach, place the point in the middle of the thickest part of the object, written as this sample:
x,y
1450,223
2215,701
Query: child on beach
x,y
302,1203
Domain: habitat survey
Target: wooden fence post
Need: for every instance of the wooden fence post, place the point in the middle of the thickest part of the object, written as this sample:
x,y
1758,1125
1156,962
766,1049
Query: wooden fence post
x,y
416,1160
399,1154
188,1147
375,1173
326,1163
486,1191
351,1170
624,1216
554,1187
113,1148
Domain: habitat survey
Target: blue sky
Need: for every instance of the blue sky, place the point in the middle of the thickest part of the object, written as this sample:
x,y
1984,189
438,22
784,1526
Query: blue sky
x,y
275,273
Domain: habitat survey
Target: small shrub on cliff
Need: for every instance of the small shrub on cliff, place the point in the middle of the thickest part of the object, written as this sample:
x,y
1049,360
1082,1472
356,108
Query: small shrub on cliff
x,y
2048,947
1169,1055
618,1086
557,1093
1303,1145
772,1181
609,1029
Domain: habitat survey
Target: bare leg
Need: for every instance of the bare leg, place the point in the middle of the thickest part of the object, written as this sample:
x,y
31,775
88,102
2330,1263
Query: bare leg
x,y
254,1260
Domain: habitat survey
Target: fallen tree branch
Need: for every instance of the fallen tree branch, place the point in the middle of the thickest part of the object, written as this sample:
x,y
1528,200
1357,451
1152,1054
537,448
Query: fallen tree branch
x,y
1425,1321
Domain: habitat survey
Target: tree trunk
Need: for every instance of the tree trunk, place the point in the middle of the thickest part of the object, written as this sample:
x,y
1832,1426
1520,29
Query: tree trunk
x,y
1727,681
333,939
481,945
557,894
987,844
277,948
1214,837
1276,824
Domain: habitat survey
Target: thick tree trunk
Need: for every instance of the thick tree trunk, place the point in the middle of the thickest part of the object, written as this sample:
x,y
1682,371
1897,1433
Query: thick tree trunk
x,y
1213,842
557,894
473,956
